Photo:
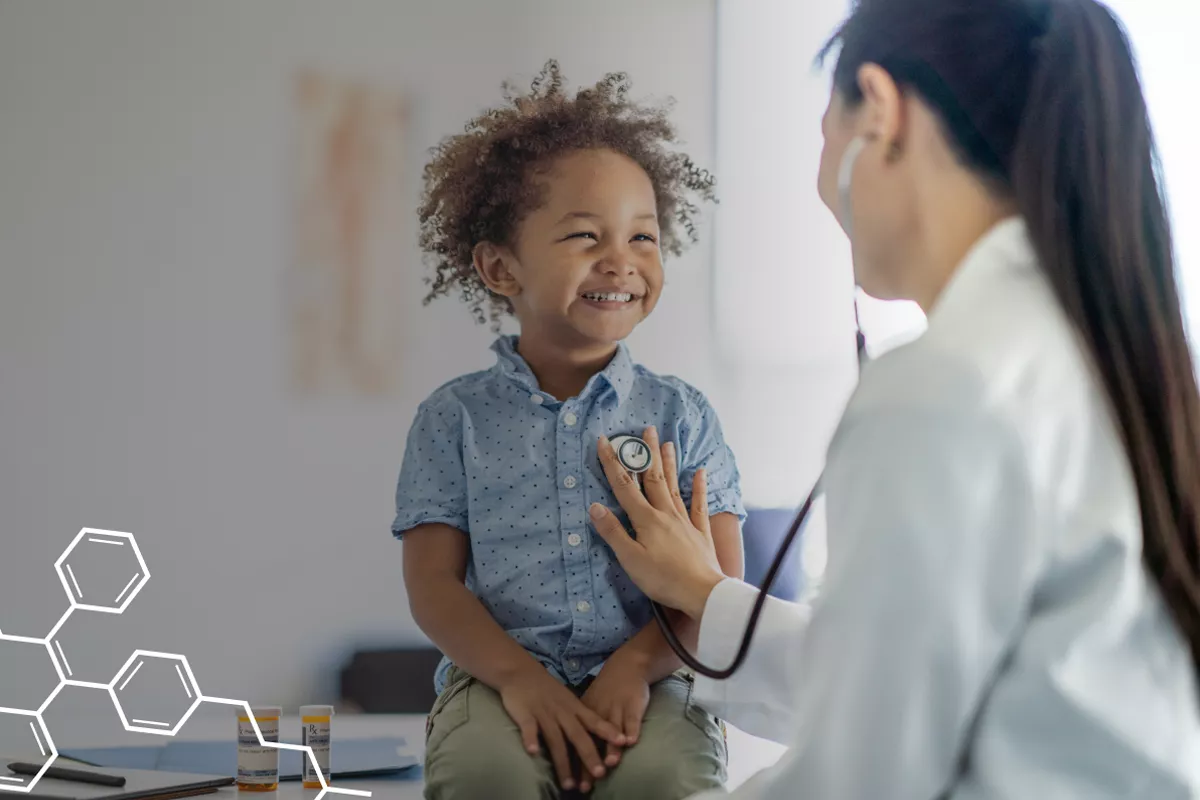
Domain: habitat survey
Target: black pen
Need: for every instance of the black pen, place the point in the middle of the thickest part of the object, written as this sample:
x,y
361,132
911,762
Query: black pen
x,y
65,774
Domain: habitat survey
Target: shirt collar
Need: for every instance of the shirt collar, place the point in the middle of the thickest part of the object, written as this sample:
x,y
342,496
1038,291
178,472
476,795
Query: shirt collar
x,y
617,375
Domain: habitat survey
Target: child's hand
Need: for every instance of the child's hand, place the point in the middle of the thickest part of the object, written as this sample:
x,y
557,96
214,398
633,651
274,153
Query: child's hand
x,y
538,703
620,694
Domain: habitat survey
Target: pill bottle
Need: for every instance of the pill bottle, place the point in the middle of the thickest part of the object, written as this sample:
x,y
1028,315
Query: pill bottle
x,y
314,733
258,764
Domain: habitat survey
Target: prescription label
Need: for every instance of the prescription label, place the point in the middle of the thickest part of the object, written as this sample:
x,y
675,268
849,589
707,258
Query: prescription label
x,y
257,763
315,734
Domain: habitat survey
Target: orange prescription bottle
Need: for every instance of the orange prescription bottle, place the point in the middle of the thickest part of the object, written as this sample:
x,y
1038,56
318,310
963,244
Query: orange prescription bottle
x,y
314,733
258,764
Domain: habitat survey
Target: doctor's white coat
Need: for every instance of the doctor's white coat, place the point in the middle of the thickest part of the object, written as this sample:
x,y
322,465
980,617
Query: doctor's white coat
x,y
985,628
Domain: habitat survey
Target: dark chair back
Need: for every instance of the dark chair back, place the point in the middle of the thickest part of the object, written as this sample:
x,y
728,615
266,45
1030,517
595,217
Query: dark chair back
x,y
390,681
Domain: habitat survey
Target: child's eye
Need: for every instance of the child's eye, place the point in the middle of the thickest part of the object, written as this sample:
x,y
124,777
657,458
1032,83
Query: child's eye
x,y
582,234
645,237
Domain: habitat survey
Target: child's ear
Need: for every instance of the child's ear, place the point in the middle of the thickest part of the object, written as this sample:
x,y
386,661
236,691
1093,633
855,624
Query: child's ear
x,y
492,263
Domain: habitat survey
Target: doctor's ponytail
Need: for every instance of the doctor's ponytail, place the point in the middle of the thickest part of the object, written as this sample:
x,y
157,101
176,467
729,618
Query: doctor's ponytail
x,y
1085,177
1042,99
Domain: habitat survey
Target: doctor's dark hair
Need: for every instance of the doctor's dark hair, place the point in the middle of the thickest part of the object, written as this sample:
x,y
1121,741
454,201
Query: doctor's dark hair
x,y
1042,99
480,184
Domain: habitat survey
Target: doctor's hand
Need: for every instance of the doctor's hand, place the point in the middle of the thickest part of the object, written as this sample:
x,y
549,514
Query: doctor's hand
x,y
673,559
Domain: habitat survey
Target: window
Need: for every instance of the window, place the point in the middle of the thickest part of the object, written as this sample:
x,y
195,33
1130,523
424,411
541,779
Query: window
x,y
783,288
1162,35
784,311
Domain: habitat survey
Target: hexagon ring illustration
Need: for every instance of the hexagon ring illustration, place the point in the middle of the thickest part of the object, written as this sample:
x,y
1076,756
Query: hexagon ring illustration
x,y
102,570
24,736
155,692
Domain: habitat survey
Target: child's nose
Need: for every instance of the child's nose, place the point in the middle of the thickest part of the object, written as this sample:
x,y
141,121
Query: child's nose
x,y
617,261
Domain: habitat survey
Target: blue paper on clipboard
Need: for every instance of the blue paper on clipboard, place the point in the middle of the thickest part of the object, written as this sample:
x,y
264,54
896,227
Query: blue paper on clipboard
x,y
348,758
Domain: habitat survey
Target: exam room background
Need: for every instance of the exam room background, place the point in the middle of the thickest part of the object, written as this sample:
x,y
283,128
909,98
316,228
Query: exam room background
x,y
144,235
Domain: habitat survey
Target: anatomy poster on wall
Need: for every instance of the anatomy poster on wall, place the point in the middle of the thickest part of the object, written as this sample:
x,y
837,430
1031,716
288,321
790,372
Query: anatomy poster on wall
x,y
350,236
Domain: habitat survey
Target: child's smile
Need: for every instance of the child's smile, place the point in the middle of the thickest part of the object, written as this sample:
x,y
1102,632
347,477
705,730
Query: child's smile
x,y
612,299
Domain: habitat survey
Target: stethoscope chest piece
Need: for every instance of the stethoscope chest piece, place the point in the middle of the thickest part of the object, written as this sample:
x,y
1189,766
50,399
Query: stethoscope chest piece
x,y
632,452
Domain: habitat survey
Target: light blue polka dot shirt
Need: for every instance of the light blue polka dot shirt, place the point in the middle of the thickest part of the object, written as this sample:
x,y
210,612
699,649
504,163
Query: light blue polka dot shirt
x,y
515,469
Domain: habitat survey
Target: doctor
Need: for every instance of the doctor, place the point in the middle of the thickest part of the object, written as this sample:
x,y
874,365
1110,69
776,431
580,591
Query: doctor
x,y
1011,607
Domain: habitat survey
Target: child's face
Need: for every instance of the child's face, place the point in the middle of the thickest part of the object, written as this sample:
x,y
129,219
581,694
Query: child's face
x,y
586,266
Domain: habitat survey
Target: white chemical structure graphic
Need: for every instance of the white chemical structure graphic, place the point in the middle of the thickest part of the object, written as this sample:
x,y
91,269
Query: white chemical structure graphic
x,y
143,665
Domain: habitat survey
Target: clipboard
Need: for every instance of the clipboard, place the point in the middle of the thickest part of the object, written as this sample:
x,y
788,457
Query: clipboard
x,y
140,784
351,758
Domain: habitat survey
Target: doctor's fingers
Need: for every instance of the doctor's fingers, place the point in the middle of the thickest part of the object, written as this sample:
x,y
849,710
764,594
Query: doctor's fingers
x,y
699,515
654,481
671,470
613,532
624,485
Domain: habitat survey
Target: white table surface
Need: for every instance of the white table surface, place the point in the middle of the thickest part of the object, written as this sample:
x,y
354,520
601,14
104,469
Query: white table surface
x,y
747,754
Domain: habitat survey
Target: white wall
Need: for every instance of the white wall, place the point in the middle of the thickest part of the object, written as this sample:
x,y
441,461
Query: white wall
x,y
143,242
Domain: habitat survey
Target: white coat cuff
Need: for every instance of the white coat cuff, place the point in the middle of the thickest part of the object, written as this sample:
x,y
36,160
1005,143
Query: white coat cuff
x,y
721,627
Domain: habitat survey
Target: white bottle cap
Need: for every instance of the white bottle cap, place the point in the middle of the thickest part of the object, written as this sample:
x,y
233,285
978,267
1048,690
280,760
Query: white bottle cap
x,y
262,712
316,711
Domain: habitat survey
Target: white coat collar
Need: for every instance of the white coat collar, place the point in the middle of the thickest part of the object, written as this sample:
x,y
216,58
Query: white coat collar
x,y
1006,247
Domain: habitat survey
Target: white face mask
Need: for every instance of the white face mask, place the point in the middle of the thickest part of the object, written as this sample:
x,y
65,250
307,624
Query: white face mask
x,y
845,179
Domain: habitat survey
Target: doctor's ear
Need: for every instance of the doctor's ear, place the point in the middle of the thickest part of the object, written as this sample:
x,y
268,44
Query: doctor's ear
x,y
883,111
494,266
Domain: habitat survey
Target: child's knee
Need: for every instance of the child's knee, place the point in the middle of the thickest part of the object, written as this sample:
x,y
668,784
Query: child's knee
x,y
654,771
472,765
474,750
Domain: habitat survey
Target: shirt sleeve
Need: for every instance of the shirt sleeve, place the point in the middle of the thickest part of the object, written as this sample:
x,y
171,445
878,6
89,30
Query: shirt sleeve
x,y
702,446
432,487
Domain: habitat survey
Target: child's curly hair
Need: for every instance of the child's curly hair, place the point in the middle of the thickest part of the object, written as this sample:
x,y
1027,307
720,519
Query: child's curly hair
x,y
478,184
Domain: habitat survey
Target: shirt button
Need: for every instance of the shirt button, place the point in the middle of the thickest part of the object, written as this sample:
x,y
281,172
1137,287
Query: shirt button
x,y
574,540
572,665
570,419
583,606
536,399
570,481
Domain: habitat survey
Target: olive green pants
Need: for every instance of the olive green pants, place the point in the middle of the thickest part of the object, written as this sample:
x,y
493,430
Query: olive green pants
x,y
474,749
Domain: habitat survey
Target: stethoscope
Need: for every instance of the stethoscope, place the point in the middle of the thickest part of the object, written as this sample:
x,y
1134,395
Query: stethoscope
x,y
634,455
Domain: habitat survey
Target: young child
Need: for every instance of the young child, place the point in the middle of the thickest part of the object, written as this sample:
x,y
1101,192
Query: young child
x,y
557,210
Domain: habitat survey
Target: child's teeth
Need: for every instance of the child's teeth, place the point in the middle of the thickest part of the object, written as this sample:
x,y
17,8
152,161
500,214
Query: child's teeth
x,y
623,297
